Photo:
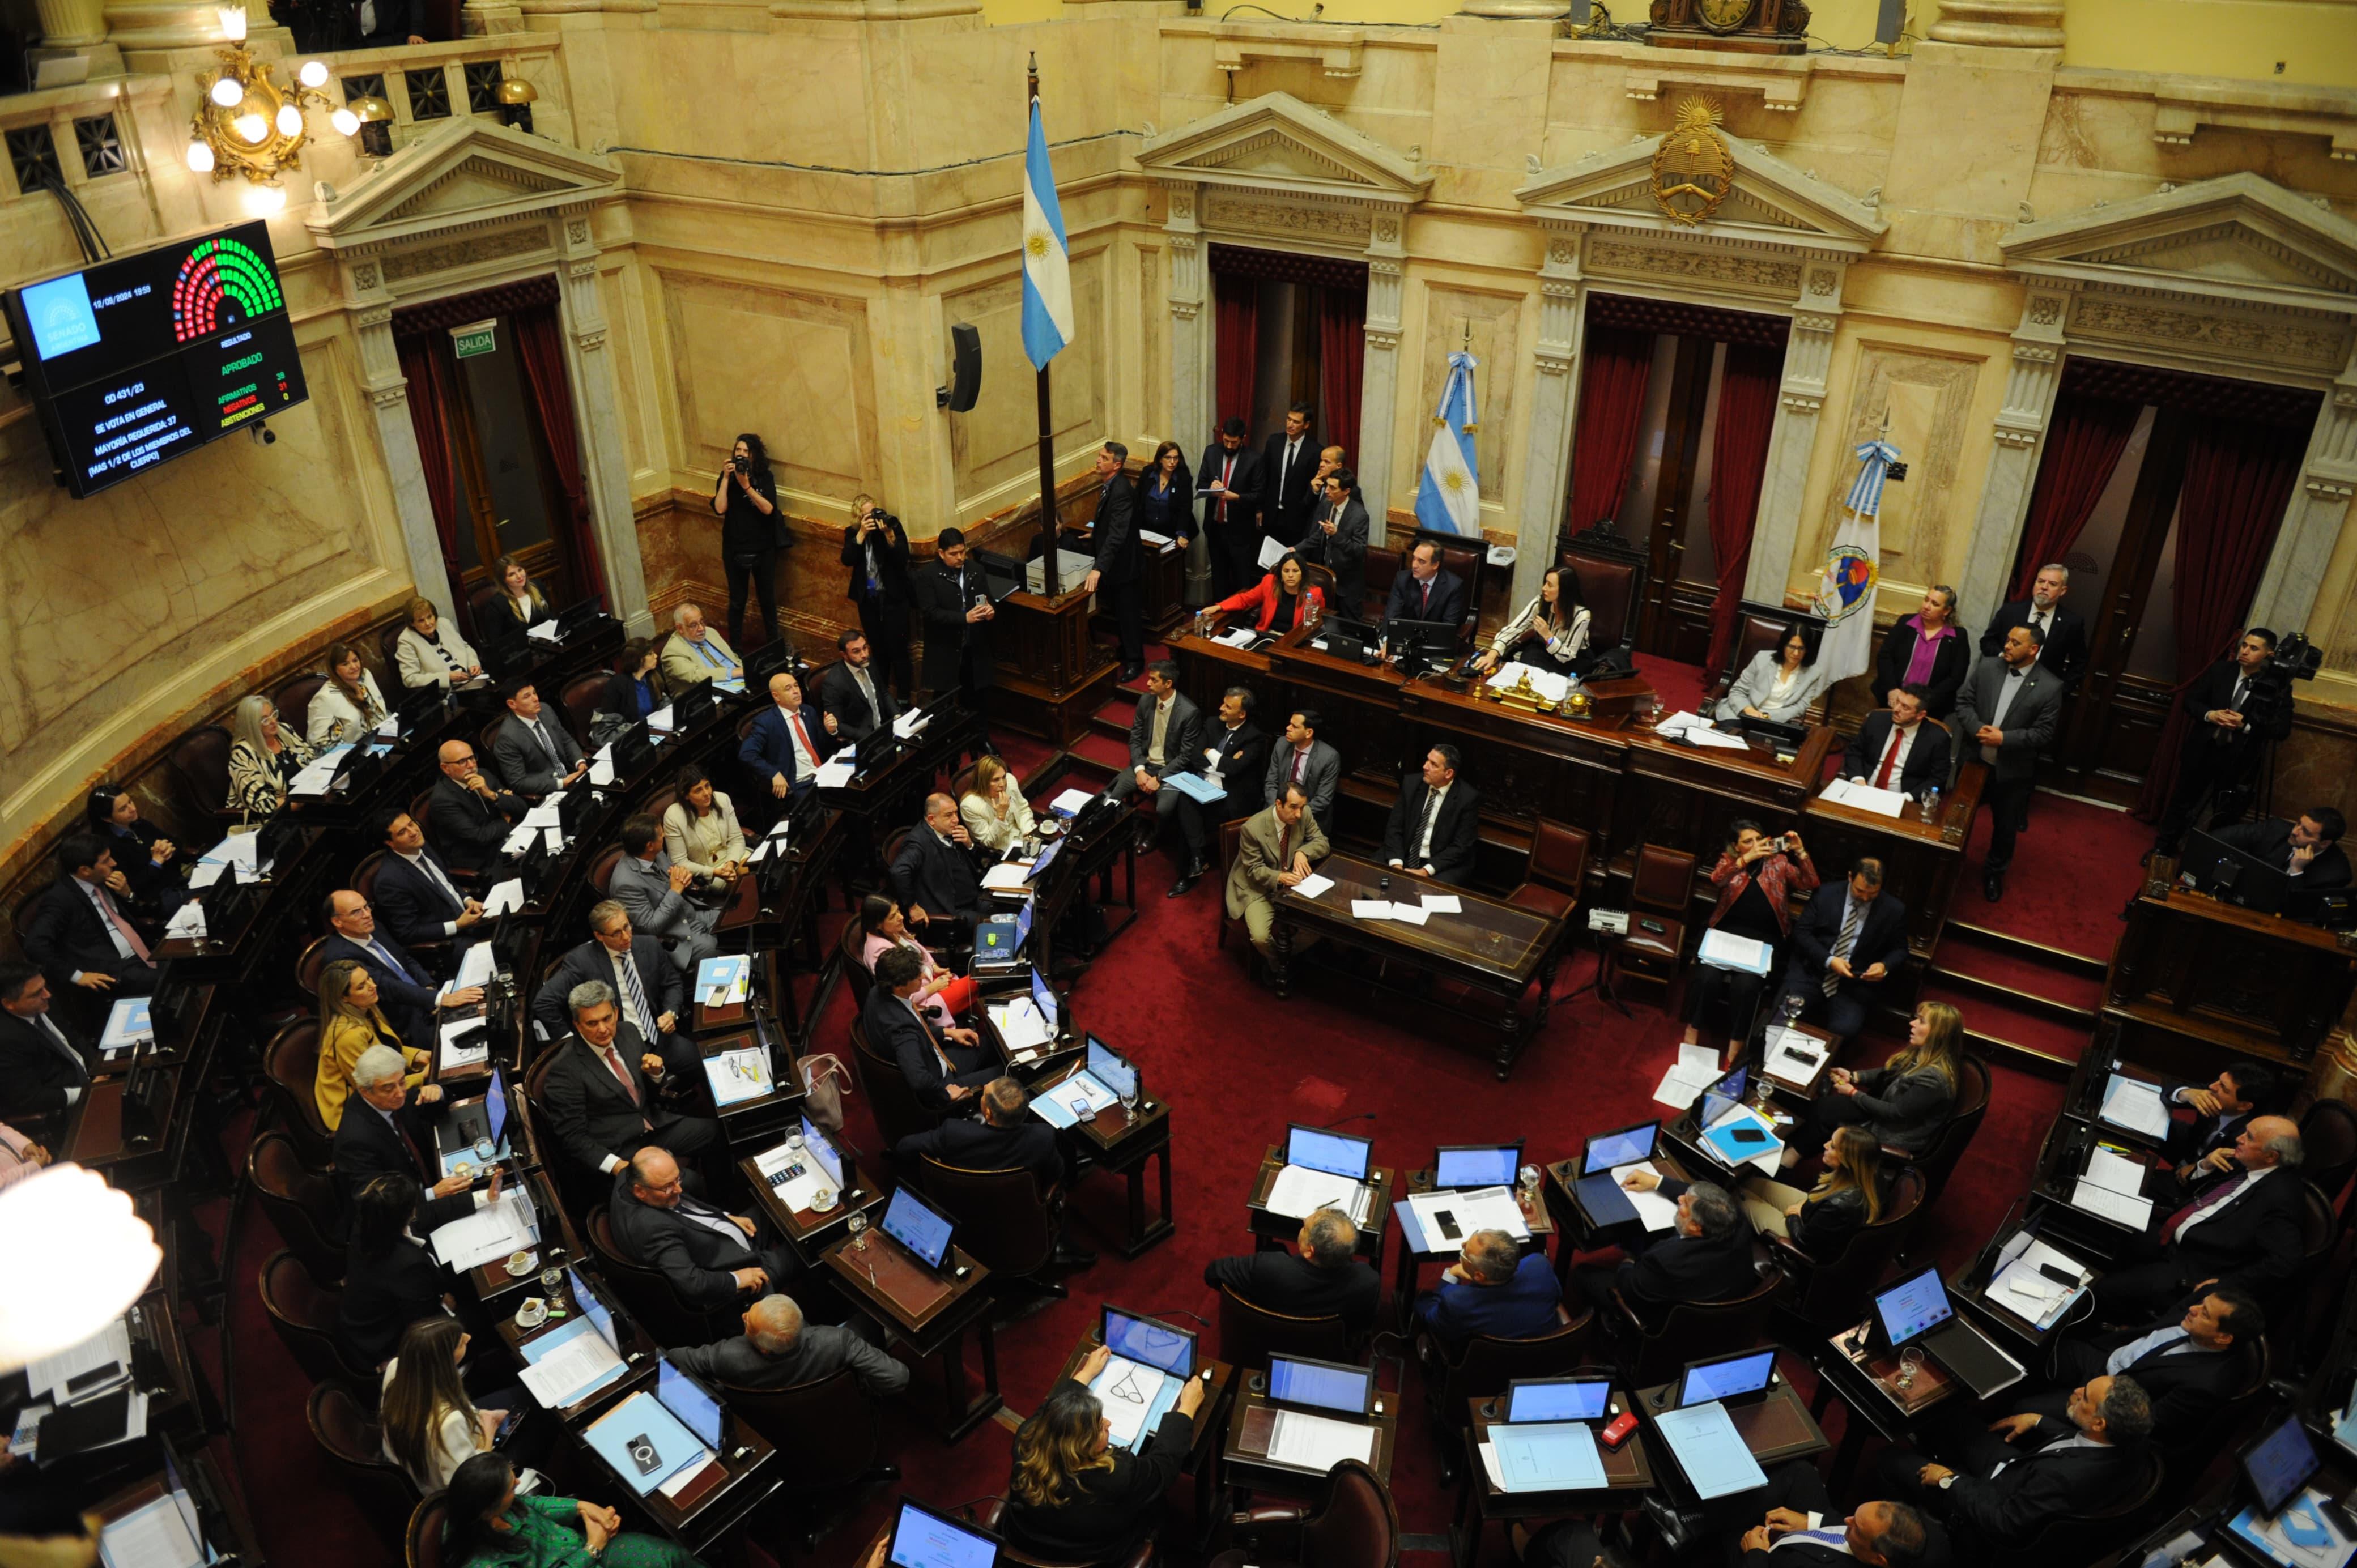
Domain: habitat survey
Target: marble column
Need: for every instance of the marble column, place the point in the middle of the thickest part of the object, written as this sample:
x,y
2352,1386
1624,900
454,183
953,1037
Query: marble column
x,y
1379,380
597,419
1556,355
2312,525
2019,438
73,24
388,395
1191,352
1776,528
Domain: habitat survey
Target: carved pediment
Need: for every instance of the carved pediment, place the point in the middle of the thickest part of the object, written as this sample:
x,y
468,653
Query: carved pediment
x,y
462,175
2240,237
1277,142
1771,200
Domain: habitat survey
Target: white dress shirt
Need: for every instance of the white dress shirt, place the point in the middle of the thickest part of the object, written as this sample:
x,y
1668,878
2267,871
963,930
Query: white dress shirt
x,y
2008,689
2251,1180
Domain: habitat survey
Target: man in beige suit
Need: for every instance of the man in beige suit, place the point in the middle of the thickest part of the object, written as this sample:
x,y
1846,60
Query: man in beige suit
x,y
696,652
1278,850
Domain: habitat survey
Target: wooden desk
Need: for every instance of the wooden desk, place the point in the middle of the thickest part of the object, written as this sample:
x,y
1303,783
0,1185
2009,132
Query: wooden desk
x,y
1993,1312
1628,1480
2245,984
1775,1428
639,1351
1922,860
1256,1472
1052,675
1491,947
1581,1230
810,1230
1839,1363
1122,1142
749,1472
775,1113
1203,1453
1271,1228
1798,1097
228,1529
1416,1251
937,1327
1067,879
501,1292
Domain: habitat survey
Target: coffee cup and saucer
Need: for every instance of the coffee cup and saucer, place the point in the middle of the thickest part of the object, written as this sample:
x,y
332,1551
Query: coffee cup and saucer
x,y
532,1312
822,1200
521,1263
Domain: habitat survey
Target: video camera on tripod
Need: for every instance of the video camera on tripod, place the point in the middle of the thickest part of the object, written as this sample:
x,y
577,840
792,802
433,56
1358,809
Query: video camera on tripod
x,y
2295,658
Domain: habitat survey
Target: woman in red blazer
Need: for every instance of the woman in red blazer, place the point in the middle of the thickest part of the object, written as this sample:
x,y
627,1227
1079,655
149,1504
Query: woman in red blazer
x,y
1755,877
1279,598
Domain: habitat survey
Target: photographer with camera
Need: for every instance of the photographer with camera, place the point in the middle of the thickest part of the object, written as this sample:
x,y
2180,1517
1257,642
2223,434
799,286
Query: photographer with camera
x,y
1756,876
2238,707
751,534
876,552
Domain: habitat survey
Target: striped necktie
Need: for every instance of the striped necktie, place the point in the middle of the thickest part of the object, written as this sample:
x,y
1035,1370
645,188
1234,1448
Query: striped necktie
x,y
1844,943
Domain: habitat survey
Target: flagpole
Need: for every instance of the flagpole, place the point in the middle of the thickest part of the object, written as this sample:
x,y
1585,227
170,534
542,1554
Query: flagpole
x,y
1047,441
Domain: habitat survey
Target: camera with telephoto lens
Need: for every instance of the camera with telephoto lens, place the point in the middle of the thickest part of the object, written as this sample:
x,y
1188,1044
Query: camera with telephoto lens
x,y
2295,658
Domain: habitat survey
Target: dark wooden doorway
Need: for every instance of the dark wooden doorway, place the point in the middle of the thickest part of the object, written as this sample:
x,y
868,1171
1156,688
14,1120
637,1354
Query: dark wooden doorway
x,y
511,500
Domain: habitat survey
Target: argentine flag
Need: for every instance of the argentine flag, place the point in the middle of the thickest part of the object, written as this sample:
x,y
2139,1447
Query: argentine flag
x,y
1047,265
1450,496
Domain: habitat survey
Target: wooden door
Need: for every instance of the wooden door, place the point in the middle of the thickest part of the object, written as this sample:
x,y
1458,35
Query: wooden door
x,y
509,499
1668,623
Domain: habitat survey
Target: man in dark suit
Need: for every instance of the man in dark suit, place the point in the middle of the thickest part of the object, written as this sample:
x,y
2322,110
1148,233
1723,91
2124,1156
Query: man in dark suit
x,y
1121,562
384,1141
1706,1256
855,702
405,989
2222,748
1425,591
1289,461
1229,483
413,890
1166,736
1492,1288
1234,750
1328,1279
647,986
933,875
43,1069
2188,1367
601,1100
1306,762
1434,826
2240,1228
787,742
534,754
472,815
957,612
2309,849
1899,748
1850,938
2005,715
1996,1496
80,930
945,1069
875,561
2242,1088
778,1350
710,1256
387,24
1337,538
1006,1137
2063,631
1801,1526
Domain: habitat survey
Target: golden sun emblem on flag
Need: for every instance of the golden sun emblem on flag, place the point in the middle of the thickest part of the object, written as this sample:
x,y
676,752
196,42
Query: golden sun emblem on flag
x,y
1036,243
1693,168
1454,479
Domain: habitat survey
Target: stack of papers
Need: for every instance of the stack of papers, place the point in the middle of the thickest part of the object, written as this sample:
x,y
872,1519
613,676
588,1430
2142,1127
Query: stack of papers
x,y
648,1446
1388,909
239,853
546,814
1857,792
1696,729
317,774
1795,1058
1763,1154
1020,1025
834,775
477,966
601,767
1300,1192
1315,1443
2019,1286
2132,1103
503,898
568,1364
488,1234
1543,1456
1076,1100
1241,637
1695,1071
1313,886
660,720
1726,951
127,1025
1070,803
1546,682
1710,1450
1007,877
455,1057
1658,1213
909,724
1196,788
740,1075
98,1363
518,839
1482,1209
157,1535
725,981
544,631
2112,1188
190,921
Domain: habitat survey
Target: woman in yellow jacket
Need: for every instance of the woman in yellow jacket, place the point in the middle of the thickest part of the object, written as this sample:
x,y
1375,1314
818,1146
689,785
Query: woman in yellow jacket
x,y
350,1023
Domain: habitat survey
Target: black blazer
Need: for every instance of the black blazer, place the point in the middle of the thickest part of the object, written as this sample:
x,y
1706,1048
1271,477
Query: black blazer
x,y
939,877
839,696
1173,515
2064,651
666,984
1288,500
2187,1390
978,1146
1244,486
586,1112
522,760
1242,767
470,829
2254,1242
405,993
1456,832
1119,559
64,935
1882,937
409,903
699,1262
1949,666
1905,1111
1343,553
154,889
368,1146
34,1074
2006,1511
821,1351
2271,842
952,643
1106,1514
1823,1228
383,1297
896,1032
1927,759
1446,602
620,695
1283,1282
1682,1268
2214,688
1182,736
2189,1142
891,542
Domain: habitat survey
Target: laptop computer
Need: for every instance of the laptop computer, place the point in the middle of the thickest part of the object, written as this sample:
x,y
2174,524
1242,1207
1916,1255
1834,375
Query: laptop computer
x,y
1316,1415
877,751
1599,1194
1741,1377
1322,1385
1916,1311
477,1134
1722,1097
1462,1167
2284,1523
1150,1364
923,1538
1001,576
925,1231
1556,1399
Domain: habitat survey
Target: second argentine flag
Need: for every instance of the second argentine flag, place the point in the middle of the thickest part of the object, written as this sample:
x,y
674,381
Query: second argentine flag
x,y
1047,265
1450,496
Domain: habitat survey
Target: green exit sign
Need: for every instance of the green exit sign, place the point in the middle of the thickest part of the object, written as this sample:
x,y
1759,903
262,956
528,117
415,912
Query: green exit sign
x,y
474,339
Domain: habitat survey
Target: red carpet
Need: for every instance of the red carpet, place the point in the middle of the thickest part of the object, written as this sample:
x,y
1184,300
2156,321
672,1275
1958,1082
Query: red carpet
x,y
2073,872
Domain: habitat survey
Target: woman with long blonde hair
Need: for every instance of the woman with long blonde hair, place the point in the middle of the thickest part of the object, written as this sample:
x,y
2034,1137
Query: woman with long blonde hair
x,y
1906,1100
1075,1497
350,1023
1820,1221
262,756
994,809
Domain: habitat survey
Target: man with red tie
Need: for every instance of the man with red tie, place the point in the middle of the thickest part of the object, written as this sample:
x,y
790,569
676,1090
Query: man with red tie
x,y
1229,483
1425,591
1899,747
2239,1228
789,741
603,1097
80,930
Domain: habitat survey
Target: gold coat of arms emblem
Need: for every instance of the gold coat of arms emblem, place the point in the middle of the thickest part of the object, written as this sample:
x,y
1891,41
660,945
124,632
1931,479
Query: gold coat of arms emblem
x,y
1693,168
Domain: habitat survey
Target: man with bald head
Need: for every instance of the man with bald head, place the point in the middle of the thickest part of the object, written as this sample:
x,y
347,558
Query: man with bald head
x,y
472,813
788,742
710,1257
405,988
778,1350
2239,1226
935,879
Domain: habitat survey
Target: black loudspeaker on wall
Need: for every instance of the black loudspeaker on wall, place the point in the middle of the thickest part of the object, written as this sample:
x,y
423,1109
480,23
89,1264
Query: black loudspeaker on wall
x,y
965,370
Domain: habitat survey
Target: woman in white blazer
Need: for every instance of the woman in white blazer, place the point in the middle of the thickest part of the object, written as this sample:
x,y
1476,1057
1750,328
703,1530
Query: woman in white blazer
x,y
431,654
1779,684
349,706
700,829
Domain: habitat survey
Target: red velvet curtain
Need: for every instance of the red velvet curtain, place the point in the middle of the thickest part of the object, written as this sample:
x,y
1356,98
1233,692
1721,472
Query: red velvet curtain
x,y
1342,362
1236,350
426,365
2082,450
2238,477
540,342
1739,466
1614,367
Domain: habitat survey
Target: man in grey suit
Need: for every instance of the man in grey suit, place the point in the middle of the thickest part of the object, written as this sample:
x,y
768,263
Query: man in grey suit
x,y
1306,763
534,753
650,989
1337,539
654,893
707,1253
778,1351
2005,714
1166,736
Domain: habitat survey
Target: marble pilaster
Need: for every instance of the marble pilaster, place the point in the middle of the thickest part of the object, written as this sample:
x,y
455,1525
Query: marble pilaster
x,y
388,394
1556,354
1800,407
597,405
2030,386
2286,598
1378,378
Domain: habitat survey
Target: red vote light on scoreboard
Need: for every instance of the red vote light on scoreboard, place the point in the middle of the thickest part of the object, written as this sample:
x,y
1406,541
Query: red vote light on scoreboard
x,y
222,283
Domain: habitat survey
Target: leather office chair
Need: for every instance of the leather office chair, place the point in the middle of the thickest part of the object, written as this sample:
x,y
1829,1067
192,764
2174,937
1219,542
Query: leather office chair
x,y
1552,881
2327,1132
646,1293
198,763
423,1546
1955,1135
1383,565
1831,1294
579,702
1659,890
302,1204
293,700
2069,1540
482,608
484,754
1321,578
988,1513
1483,1366
1758,628
1003,1219
847,947
388,656
898,1111
292,1065
1610,572
830,1438
601,869
1353,1525
1695,1331
309,964
1231,844
1250,1333
344,1425
303,1314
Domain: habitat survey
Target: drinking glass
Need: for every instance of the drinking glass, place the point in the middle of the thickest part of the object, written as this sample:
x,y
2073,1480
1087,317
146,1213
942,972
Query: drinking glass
x,y
857,1225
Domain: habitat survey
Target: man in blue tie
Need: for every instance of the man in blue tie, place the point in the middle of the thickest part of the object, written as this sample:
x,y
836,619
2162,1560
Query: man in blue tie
x,y
405,990
696,652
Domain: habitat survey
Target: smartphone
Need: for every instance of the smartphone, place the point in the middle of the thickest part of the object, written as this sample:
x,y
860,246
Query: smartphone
x,y
1750,1135
1448,1226
2059,1276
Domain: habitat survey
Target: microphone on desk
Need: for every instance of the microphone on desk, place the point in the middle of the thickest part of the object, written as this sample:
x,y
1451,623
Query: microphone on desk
x,y
1362,1116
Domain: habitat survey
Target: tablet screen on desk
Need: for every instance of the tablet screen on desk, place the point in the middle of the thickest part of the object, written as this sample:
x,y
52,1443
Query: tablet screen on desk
x,y
1558,1398
495,1110
1109,1069
1148,1342
1322,1384
1043,997
913,1223
1333,1153
1625,1147
2279,1465
594,1310
1464,1167
923,1539
686,1399
1726,1377
821,1149
1912,1308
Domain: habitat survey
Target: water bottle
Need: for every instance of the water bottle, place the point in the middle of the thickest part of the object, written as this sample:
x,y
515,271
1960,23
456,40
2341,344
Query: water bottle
x,y
1932,805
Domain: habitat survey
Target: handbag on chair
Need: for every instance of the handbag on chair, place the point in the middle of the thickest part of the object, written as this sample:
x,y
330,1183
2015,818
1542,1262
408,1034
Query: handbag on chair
x,y
825,1083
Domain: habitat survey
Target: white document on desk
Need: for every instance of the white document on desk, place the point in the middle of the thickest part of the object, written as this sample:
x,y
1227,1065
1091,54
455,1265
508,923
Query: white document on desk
x,y
1696,1070
601,767
1492,1208
503,898
2109,1171
108,1351
155,1536
128,1023
834,775
1237,637
1725,949
477,967
1007,877
2021,1286
190,921
1313,886
1864,797
545,631
1370,909
519,840
1795,1058
1658,1213
1443,904
544,815
1300,1192
2133,1104
1070,803
1314,1442
907,726
1020,1025
488,1234
455,1056
1410,914
2134,1213
584,1362
1550,687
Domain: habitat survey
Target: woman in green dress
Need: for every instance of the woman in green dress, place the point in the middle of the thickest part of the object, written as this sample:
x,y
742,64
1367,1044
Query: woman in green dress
x,y
486,1525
